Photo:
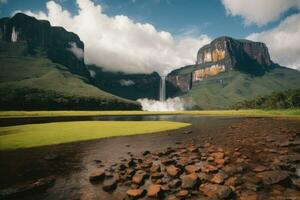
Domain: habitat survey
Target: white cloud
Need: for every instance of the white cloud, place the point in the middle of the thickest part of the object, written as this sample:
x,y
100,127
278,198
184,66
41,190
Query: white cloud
x,y
259,12
76,51
120,44
126,83
283,41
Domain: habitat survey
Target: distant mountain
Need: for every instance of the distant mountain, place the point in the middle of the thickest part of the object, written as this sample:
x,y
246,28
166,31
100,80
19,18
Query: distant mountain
x,y
41,68
228,71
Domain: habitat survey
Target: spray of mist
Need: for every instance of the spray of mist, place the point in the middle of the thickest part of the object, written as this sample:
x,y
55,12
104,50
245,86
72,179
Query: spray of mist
x,y
170,104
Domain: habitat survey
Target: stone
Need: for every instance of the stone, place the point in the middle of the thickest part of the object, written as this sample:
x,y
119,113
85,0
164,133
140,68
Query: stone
x,y
217,155
190,181
157,175
259,168
146,153
214,190
192,169
218,178
155,191
174,183
97,175
182,193
207,168
155,167
248,195
172,197
233,181
138,179
109,185
135,193
173,171
274,177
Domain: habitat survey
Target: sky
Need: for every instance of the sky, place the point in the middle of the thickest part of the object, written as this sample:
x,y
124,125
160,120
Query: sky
x,y
160,35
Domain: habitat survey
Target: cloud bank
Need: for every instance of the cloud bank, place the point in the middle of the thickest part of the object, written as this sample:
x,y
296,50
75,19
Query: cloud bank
x,y
283,41
118,43
259,12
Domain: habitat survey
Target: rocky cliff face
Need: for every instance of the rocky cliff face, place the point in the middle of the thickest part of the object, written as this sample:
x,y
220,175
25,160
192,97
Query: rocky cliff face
x,y
41,38
223,54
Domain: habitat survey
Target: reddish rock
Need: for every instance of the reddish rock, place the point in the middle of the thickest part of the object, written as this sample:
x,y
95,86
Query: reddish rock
x,y
208,168
190,181
182,193
259,168
192,169
214,190
135,193
233,181
97,175
172,197
173,171
248,195
138,178
217,155
155,190
218,178
273,177
109,185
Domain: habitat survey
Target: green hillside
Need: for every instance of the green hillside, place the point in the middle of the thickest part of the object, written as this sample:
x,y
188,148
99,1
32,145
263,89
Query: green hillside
x,y
38,83
228,88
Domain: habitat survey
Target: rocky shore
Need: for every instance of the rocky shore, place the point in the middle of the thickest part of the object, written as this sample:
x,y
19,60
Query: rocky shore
x,y
259,167
242,159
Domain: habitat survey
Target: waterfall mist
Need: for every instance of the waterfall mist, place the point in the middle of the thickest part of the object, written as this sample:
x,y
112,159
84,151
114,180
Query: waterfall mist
x,y
170,104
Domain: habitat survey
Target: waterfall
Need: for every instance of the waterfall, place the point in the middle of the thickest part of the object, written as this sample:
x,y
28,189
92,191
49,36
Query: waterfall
x,y
162,89
14,35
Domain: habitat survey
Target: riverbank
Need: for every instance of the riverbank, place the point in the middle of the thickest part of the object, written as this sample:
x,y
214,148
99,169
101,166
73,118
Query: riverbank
x,y
242,113
239,158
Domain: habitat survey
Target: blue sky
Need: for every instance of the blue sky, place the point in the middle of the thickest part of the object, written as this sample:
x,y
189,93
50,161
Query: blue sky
x,y
175,16
160,35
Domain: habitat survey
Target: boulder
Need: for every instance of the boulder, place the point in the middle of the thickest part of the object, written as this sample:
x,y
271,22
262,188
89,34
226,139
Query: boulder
x,y
173,171
174,183
135,193
218,178
192,169
138,179
214,190
97,175
109,185
274,177
182,193
155,190
190,181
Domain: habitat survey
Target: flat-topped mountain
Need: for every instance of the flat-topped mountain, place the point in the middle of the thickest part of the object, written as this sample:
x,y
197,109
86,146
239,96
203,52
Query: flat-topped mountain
x,y
39,37
42,67
230,70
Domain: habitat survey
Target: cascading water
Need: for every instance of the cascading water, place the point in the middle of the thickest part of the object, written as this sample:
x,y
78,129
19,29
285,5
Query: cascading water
x,y
162,89
163,104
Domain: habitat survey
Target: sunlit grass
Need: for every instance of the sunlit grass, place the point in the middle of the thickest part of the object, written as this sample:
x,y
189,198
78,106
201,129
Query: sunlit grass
x,y
34,135
250,112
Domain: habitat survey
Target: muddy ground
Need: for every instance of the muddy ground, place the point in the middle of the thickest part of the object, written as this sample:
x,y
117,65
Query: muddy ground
x,y
214,158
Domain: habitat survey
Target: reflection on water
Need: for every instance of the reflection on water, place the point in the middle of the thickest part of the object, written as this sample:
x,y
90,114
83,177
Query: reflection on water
x,y
36,120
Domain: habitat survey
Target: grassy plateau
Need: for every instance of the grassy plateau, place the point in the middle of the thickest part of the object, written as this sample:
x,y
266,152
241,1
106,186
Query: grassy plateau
x,y
34,135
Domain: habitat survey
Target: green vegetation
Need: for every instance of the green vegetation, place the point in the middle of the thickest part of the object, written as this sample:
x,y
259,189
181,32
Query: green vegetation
x,y
226,89
245,112
36,83
34,135
277,100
